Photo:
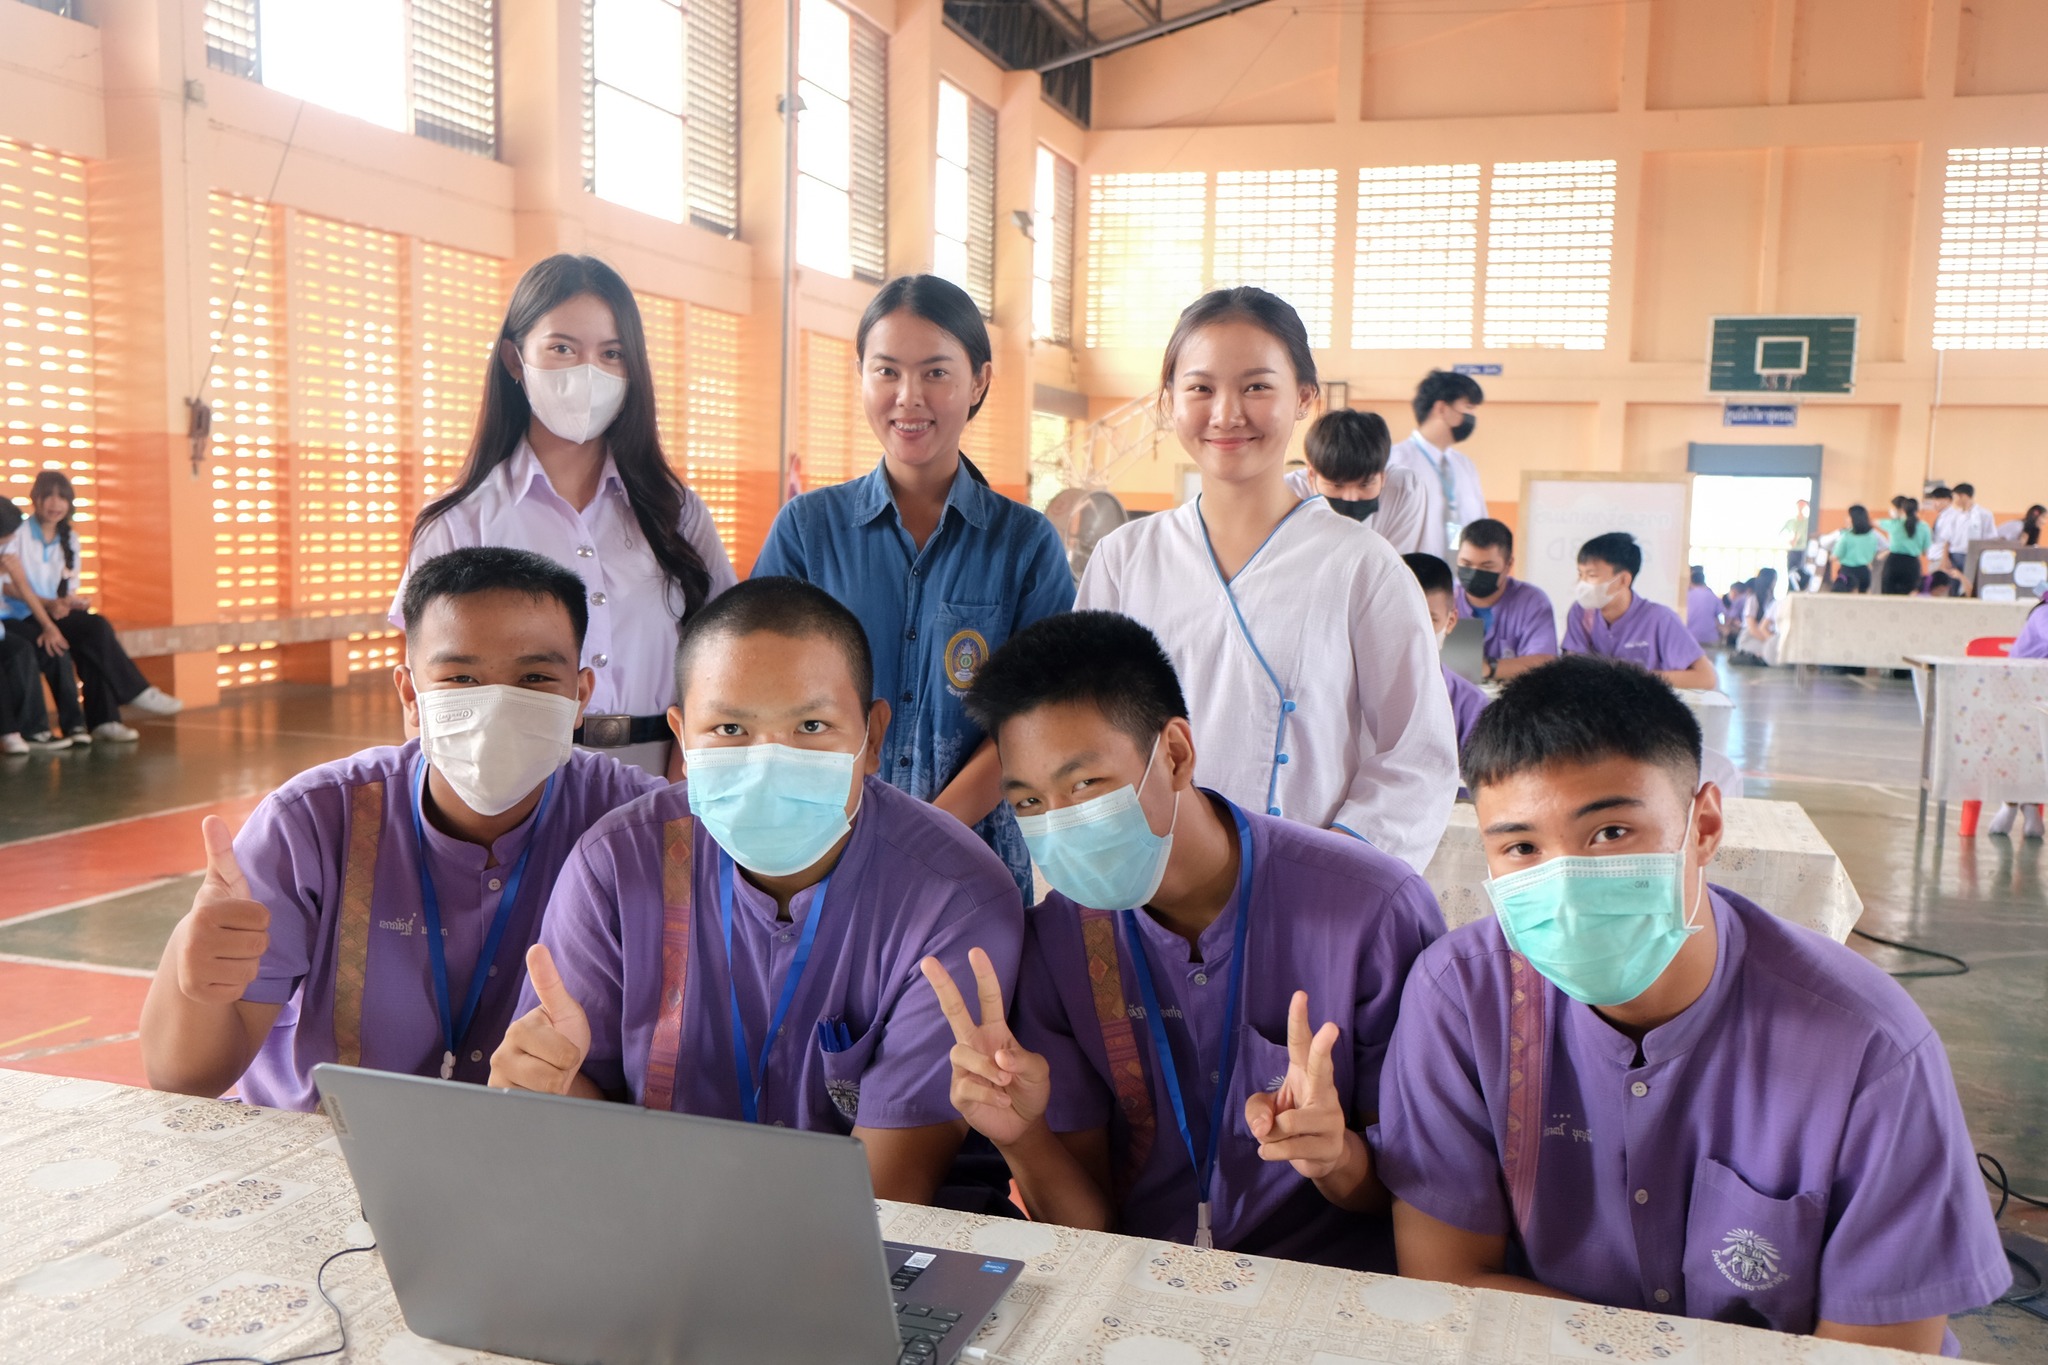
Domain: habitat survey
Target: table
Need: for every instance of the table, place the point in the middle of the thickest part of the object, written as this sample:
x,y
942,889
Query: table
x,y
1981,731
1864,630
137,1227
1770,853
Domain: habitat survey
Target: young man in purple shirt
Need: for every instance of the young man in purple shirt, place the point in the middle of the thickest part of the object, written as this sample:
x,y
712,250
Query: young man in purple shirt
x,y
745,945
1521,624
1162,1079
1703,610
1611,619
376,910
1467,701
1636,1089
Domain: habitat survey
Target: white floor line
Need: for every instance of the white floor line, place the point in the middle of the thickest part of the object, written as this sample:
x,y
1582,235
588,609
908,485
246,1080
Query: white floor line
x,y
23,960
81,1045
110,824
12,920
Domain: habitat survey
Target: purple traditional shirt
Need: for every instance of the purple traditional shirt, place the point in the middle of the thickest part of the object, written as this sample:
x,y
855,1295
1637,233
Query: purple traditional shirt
x,y
1788,1149
911,882
1648,633
2032,641
1330,915
1467,701
293,851
1522,622
1703,614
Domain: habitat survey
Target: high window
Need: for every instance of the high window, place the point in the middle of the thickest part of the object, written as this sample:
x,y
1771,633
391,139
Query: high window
x,y
1052,250
661,132
1417,259
1991,289
1549,254
964,196
842,143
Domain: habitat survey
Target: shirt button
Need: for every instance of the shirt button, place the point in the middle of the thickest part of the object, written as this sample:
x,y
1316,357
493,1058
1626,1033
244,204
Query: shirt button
x,y
916,572
910,634
787,937
476,1056
1201,978
584,552
1215,1078
494,883
600,660
906,698
1639,1090
494,971
1279,758
597,599
1642,1196
904,762
1662,1296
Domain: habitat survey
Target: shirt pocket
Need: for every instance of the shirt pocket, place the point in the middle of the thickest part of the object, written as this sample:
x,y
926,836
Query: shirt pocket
x,y
1749,1258
845,1068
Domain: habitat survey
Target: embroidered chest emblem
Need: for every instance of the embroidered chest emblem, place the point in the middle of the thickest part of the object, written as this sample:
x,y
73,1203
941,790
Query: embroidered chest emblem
x,y
966,652
407,926
1749,1260
845,1097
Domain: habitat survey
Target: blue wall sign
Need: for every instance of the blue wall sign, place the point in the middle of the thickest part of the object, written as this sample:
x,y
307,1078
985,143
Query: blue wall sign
x,y
1760,415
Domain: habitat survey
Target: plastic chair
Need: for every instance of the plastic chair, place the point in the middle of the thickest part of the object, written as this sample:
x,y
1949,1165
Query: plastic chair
x,y
1984,647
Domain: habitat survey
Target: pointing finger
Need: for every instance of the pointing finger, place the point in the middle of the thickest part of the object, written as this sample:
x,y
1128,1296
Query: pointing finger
x,y
1322,1068
220,857
1297,1031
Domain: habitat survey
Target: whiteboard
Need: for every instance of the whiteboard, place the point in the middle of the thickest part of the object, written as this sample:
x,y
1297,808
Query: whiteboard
x,y
1562,511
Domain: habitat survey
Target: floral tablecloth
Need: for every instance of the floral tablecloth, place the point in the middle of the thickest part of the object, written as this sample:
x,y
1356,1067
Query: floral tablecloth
x,y
1770,853
1988,730
137,1227
1861,630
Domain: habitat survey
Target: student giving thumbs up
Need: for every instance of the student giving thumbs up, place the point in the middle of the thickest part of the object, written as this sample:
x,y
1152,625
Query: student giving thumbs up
x,y
220,943
545,1047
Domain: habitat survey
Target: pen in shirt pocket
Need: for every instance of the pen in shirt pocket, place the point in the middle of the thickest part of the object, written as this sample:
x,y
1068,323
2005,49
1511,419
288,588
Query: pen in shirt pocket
x,y
834,1036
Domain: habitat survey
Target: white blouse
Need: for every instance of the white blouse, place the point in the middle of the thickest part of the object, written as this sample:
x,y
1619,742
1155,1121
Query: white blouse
x,y
631,644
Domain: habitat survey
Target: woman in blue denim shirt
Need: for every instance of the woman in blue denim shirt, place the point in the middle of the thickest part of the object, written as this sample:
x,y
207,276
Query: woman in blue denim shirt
x,y
939,567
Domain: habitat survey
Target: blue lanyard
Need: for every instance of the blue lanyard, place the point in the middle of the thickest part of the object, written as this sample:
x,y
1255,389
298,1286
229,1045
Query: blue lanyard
x,y
752,1077
454,1030
1203,1160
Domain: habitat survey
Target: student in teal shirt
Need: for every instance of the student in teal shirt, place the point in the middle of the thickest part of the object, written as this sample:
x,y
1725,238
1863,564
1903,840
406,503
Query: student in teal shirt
x,y
1851,551
1909,538
939,567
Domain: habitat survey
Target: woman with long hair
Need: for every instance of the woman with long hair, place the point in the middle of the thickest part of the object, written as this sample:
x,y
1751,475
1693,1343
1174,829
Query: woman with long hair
x,y
566,461
1851,550
939,567
2027,529
1907,538
1759,640
45,547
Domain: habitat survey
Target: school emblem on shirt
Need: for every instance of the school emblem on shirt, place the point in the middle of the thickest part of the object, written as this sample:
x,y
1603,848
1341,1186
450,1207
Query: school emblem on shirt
x,y
845,1097
1749,1260
966,652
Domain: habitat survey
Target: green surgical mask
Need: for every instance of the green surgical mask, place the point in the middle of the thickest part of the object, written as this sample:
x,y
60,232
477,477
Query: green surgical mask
x,y
1602,930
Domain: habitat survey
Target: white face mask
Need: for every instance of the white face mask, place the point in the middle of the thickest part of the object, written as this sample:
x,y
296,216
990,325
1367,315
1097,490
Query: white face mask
x,y
495,744
577,403
1594,593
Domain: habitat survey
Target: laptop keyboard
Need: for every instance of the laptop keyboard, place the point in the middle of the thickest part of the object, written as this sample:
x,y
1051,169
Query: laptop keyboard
x,y
920,1328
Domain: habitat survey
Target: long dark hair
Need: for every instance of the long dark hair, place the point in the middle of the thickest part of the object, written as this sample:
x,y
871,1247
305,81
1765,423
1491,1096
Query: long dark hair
x,y
1763,588
2030,525
652,488
1909,514
1859,519
946,306
55,481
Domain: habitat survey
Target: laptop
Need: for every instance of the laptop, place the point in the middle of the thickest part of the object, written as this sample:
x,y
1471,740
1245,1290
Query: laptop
x,y
585,1233
1465,649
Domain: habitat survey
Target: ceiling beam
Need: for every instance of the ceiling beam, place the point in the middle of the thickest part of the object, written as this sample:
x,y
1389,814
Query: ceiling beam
x,y
1147,34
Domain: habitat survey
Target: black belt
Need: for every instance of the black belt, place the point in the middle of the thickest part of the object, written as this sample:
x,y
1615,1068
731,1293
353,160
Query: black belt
x,y
616,732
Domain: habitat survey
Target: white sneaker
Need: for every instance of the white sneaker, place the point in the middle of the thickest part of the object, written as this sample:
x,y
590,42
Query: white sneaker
x,y
45,742
79,737
13,744
157,702
2034,827
114,732
2001,823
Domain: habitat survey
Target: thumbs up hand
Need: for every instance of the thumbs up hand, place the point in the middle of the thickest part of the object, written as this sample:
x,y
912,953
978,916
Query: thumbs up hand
x,y
545,1047
1303,1122
221,941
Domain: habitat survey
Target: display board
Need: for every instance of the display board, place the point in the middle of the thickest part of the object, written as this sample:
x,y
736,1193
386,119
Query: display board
x,y
2006,571
1562,511
1768,355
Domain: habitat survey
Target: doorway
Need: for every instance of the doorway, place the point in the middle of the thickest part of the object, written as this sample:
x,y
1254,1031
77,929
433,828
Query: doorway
x,y
1746,508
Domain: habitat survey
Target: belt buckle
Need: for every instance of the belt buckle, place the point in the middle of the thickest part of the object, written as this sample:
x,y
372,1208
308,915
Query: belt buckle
x,y
607,732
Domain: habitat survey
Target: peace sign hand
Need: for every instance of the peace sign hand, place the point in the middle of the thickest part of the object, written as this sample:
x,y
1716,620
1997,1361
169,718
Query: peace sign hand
x,y
1302,1122
998,1087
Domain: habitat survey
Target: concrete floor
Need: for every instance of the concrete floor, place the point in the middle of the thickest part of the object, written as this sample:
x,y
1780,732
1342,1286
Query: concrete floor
x,y
86,902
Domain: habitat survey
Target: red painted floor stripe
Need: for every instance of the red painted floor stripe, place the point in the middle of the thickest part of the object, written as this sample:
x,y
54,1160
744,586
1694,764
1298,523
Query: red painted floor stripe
x,y
51,1017
107,859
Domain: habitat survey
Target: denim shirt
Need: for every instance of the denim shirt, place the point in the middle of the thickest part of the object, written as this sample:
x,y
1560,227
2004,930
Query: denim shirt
x,y
933,616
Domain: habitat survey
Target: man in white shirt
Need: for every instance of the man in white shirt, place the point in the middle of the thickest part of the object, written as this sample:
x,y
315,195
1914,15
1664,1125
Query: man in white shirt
x,y
1347,467
1966,521
1451,495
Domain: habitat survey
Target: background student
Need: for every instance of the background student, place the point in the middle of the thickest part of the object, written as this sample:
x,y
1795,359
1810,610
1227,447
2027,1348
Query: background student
x,y
376,910
1613,620
46,548
1851,550
1347,466
745,944
1444,405
567,461
1758,642
1966,522
1906,540
1590,1094
939,567
1703,616
1199,940
2026,529
1733,605
1434,576
1521,623
1317,693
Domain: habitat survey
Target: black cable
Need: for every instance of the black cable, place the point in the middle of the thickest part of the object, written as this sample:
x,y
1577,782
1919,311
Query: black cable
x,y
1961,968
340,1323
1993,1170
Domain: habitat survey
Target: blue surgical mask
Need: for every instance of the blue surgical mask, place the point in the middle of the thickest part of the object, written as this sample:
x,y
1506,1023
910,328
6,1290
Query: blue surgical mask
x,y
775,809
1102,853
1602,930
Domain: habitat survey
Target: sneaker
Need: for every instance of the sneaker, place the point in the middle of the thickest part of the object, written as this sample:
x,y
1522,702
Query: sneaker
x,y
114,732
45,742
2034,827
13,744
79,735
2001,823
157,702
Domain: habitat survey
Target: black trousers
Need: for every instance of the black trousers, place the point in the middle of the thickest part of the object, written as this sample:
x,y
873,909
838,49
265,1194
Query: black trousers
x,y
1852,578
21,690
1901,576
96,660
